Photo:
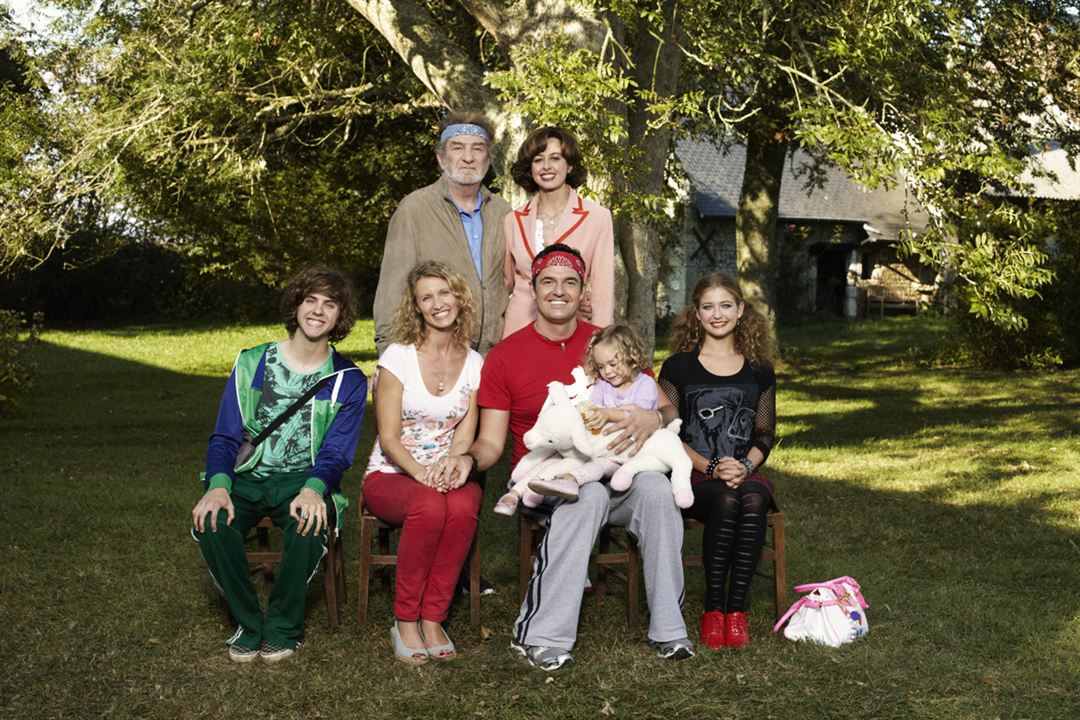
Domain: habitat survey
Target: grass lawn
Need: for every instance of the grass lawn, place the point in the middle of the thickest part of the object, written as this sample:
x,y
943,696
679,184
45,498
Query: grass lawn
x,y
952,495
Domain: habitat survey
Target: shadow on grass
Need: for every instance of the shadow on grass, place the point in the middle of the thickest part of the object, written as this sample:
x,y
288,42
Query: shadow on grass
x,y
834,345
906,409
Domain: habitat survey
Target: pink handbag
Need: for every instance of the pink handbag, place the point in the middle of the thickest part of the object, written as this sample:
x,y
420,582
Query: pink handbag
x,y
832,614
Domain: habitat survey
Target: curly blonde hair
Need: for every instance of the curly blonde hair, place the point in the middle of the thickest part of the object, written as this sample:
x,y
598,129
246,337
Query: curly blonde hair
x,y
627,344
753,336
409,326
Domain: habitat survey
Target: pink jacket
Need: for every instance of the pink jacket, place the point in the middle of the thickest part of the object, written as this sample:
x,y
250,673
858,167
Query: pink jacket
x,y
584,226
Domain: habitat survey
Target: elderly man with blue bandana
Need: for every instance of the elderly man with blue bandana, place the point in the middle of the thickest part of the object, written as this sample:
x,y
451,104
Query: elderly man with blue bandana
x,y
456,221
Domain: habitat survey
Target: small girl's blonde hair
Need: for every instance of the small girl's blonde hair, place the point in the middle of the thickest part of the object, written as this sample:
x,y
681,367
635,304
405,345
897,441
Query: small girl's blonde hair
x,y
627,346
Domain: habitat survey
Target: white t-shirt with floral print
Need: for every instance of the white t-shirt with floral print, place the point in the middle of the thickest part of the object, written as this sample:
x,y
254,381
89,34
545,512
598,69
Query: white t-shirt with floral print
x,y
427,421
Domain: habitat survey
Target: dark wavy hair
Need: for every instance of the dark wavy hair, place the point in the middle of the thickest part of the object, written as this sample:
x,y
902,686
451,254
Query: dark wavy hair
x,y
535,144
326,281
753,337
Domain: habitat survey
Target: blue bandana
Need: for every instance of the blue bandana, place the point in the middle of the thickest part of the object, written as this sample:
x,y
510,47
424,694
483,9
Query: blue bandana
x,y
463,129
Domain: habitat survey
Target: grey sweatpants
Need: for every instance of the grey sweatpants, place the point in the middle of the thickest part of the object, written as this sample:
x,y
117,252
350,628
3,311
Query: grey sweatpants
x,y
549,614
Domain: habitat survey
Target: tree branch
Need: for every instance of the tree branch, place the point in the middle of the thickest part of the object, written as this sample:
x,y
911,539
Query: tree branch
x,y
444,69
491,17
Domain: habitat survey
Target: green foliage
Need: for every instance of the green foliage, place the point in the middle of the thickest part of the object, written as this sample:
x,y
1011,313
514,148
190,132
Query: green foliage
x,y
556,84
136,281
1044,330
995,253
33,137
18,337
242,134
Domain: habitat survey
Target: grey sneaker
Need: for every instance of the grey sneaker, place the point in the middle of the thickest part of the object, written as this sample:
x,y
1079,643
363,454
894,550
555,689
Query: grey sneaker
x,y
547,659
680,649
557,486
273,653
241,654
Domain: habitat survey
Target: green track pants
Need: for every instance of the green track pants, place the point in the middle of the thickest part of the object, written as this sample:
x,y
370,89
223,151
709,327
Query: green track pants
x,y
283,622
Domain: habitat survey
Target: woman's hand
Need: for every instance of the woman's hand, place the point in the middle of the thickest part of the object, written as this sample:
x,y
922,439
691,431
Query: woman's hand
x,y
635,428
732,472
585,306
433,476
309,510
449,472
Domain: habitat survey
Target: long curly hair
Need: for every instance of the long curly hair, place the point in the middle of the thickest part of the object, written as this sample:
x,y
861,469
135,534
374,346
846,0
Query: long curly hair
x,y
627,345
753,336
409,326
326,281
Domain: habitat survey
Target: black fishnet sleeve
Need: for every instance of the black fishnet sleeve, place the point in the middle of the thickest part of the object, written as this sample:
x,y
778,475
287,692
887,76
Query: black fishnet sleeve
x,y
671,391
765,416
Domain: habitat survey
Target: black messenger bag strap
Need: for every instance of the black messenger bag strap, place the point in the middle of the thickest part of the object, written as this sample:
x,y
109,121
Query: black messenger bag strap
x,y
290,410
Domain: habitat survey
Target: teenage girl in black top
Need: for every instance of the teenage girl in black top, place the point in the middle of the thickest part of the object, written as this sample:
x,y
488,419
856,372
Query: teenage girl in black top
x,y
721,379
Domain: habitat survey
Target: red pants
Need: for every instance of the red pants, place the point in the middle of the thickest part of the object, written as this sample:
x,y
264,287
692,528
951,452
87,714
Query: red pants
x,y
436,533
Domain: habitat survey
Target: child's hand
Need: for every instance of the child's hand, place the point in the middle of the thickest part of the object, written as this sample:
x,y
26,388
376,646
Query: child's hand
x,y
594,419
590,415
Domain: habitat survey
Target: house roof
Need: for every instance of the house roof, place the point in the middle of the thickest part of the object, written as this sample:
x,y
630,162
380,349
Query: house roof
x,y
716,180
1066,186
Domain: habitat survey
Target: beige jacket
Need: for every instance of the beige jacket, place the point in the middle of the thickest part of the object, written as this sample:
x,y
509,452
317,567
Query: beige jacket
x,y
426,226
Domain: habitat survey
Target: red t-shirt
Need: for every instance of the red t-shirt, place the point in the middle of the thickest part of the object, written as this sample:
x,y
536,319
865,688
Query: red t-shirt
x,y
517,371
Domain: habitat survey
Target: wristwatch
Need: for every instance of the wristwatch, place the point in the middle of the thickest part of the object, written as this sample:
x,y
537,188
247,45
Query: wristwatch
x,y
749,465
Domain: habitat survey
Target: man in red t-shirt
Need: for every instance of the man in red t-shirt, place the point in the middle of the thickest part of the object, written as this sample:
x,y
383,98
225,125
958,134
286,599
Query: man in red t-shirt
x,y
513,387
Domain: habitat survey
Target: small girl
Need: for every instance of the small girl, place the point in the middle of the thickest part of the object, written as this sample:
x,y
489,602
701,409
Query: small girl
x,y
614,358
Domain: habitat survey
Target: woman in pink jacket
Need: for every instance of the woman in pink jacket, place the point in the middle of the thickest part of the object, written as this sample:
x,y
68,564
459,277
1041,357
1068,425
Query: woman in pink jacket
x,y
549,166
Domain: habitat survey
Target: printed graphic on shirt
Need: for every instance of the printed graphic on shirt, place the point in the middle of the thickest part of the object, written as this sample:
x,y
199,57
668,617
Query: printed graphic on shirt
x,y
288,449
720,423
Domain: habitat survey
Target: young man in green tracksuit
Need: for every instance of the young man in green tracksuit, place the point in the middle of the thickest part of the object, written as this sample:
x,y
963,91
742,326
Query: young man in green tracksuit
x,y
292,474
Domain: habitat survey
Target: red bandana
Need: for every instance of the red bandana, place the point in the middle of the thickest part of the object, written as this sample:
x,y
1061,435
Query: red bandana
x,y
559,258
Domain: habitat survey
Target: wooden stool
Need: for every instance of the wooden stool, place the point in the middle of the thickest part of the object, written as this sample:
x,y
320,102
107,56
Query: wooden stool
x,y
264,559
773,552
530,533
371,529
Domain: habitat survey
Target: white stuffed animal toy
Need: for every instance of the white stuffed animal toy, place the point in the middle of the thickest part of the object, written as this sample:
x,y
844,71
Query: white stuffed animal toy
x,y
559,443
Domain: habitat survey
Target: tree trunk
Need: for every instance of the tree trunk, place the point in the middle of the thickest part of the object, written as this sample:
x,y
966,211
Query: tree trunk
x,y
657,66
755,223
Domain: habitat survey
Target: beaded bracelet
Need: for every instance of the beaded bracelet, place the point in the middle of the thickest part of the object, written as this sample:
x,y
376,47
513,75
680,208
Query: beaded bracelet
x,y
749,465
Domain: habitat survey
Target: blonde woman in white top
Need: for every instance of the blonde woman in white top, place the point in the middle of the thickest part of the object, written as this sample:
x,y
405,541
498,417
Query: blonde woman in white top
x,y
426,409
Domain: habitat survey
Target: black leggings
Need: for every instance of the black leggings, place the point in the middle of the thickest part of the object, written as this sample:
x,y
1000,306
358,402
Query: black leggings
x,y
735,525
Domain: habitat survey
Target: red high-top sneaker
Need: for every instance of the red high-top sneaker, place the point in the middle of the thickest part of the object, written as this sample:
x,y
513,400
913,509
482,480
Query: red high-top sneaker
x,y
738,634
712,629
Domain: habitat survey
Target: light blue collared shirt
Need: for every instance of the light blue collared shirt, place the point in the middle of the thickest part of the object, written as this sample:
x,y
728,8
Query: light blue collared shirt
x,y
474,231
